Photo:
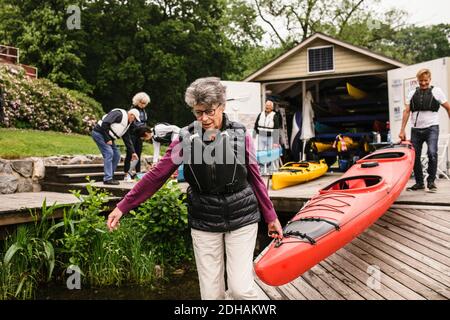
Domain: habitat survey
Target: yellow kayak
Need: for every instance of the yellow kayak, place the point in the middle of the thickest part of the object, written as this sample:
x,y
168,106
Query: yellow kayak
x,y
328,146
355,92
293,173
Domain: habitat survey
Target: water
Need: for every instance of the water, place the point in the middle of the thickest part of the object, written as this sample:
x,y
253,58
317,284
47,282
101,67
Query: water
x,y
179,287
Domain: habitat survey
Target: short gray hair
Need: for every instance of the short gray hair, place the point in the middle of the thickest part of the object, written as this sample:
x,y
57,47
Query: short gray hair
x,y
141,96
205,91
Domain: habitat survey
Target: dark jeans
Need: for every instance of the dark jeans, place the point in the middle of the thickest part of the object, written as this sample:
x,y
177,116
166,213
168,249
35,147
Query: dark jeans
x,y
429,135
137,143
110,153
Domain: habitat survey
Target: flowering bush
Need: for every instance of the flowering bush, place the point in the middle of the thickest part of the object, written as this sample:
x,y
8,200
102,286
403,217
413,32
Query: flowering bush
x,y
40,104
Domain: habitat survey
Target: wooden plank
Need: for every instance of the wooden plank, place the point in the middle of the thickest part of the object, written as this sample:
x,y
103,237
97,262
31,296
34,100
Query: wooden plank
x,y
291,292
397,274
399,254
421,226
270,291
421,207
350,281
427,222
413,245
411,252
398,263
442,212
427,236
444,215
385,279
344,290
384,291
429,217
327,291
261,294
437,247
306,289
12,219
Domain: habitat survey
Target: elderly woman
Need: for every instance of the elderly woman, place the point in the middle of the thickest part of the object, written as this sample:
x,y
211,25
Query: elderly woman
x,y
226,193
140,101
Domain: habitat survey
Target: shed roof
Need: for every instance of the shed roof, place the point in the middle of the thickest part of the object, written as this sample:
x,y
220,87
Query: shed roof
x,y
292,64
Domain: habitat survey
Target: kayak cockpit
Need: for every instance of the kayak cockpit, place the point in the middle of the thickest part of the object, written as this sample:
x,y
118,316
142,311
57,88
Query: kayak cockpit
x,y
352,183
384,156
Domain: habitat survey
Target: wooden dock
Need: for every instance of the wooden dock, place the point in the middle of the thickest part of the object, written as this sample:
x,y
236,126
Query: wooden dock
x,y
292,199
15,208
409,245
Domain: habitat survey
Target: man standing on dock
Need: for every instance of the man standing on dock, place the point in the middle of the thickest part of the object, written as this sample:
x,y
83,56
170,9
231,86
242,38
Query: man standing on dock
x,y
423,105
266,125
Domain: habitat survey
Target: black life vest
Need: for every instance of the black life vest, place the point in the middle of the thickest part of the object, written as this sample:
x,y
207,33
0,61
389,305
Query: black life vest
x,y
423,100
219,196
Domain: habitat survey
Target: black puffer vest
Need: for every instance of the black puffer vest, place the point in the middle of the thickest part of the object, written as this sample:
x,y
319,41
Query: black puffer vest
x,y
219,197
423,100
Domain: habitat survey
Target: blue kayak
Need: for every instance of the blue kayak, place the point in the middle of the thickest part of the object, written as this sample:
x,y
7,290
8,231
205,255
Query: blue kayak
x,y
180,177
267,156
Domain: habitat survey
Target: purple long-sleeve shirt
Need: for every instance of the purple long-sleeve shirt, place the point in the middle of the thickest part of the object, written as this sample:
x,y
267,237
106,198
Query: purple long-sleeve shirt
x,y
153,180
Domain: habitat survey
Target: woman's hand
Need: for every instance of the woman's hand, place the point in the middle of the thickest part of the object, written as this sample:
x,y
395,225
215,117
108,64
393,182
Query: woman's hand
x,y
402,135
113,219
275,230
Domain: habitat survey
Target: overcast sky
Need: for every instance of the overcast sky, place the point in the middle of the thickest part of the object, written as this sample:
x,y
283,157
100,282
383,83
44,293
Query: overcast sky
x,y
422,12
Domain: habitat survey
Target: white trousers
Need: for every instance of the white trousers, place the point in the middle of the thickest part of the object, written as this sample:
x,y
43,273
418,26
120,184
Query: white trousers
x,y
209,250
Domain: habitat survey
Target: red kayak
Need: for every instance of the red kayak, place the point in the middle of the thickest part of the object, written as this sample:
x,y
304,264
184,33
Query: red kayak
x,y
337,214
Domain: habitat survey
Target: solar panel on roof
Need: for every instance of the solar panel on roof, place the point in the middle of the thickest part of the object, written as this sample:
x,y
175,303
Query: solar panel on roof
x,y
320,59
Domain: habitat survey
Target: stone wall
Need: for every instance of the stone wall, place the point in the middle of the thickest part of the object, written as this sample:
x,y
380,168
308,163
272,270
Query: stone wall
x,y
21,175
25,175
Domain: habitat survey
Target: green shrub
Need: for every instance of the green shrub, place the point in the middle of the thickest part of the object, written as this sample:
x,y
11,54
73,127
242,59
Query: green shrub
x,y
40,104
155,233
162,221
105,258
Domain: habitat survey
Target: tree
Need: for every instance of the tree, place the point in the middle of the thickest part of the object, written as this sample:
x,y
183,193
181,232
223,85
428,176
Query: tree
x,y
157,46
415,44
356,21
39,30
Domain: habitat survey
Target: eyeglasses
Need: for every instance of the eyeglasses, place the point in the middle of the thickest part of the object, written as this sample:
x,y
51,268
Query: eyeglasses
x,y
209,112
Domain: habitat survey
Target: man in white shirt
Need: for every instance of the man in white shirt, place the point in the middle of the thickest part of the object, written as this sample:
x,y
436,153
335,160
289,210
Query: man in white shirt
x,y
266,126
423,104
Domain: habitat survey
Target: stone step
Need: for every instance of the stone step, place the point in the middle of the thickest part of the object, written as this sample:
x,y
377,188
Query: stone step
x,y
77,168
80,177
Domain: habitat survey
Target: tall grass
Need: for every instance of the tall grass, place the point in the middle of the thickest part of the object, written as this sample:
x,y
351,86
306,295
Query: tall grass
x,y
30,255
37,252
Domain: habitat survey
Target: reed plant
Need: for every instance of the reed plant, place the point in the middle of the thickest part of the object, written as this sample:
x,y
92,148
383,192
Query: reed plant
x,y
156,233
30,255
